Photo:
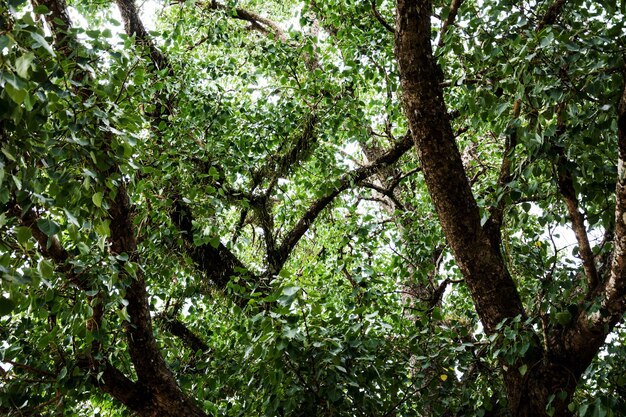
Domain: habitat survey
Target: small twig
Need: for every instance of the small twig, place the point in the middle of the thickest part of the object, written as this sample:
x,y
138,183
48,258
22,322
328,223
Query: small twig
x,y
381,19
454,9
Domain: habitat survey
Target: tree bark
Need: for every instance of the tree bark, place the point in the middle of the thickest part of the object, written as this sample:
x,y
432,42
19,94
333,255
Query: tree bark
x,y
551,373
156,391
492,288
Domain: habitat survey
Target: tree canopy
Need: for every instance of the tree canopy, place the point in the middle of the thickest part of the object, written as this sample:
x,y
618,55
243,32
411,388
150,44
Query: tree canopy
x,y
312,208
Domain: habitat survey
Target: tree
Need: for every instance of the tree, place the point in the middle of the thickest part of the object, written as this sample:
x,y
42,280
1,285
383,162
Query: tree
x,y
254,211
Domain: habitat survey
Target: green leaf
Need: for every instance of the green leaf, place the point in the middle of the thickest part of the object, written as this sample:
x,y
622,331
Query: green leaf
x,y
82,248
290,290
22,64
48,227
42,42
46,269
23,234
583,410
214,242
5,42
17,95
8,154
41,9
97,199
546,40
563,317
523,369
103,228
6,306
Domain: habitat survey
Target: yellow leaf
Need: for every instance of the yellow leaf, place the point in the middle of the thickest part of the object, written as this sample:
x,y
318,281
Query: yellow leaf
x,y
443,377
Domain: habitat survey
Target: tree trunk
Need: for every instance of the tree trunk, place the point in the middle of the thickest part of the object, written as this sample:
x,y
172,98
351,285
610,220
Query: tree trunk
x,y
550,378
547,386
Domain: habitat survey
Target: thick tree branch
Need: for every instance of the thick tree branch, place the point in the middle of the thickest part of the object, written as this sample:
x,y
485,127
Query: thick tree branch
x,y
133,395
481,264
588,331
257,22
152,372
49,246
359,174
387,192
552,14
151,369
58,20
566,187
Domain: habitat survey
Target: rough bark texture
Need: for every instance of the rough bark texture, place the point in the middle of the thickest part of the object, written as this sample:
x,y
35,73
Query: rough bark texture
x,y
552,369
152,372
134,27
156,391
482,266
218,264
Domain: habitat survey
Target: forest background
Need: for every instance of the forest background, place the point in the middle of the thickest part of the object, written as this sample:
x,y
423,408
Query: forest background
x,y
318,208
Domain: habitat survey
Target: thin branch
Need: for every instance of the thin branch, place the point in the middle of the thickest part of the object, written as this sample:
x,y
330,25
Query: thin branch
x,y
30,369
381,19
259,23
454,9
387,192
49,246
552,14
494,224
566,187
355,176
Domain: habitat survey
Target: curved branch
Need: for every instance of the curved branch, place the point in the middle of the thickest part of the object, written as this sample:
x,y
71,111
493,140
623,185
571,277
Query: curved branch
x,y
553,13
492,288
359,174
257,22
381,19
454,10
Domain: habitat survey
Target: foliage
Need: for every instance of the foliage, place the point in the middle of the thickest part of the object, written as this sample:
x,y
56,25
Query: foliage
x,y
279,221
